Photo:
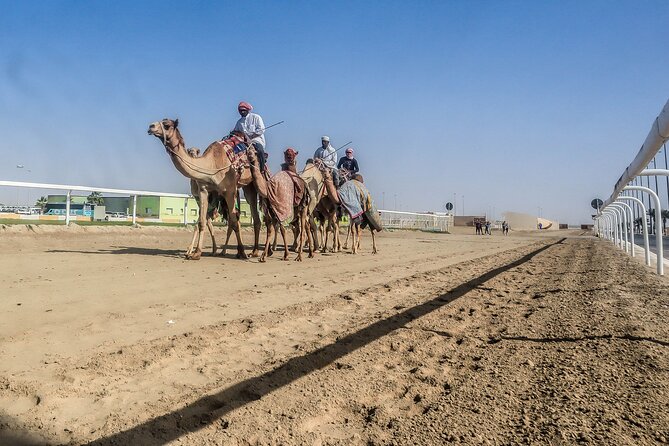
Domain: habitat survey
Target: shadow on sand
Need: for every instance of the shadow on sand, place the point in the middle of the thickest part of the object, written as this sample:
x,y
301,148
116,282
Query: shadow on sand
x,y
209,409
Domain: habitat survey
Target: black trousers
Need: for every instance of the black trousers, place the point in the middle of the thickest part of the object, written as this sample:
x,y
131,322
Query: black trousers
x,y
261,156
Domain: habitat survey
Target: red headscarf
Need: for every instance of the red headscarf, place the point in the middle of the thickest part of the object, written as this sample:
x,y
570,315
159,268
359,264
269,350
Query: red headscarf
x,y
244,106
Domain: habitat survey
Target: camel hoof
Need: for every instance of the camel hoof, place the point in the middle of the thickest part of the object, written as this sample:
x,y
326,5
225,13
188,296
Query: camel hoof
x,y
254,253
298,258
311,256
285,258
261,259
195,256
241,256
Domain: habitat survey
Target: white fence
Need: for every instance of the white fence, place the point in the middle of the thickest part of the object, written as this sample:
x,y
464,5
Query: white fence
x,y
69,188
389,219
616,216
412,220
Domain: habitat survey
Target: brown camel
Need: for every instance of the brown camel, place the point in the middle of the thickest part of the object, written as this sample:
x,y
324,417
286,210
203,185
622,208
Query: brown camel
x,y
355,223
300,212
213,171
321,209
219,207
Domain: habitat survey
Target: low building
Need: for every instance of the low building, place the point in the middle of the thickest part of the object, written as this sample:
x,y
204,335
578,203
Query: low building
x,y
150,208
528,222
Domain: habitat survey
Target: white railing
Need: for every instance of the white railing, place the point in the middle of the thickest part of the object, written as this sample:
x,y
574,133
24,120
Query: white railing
x,y
414,220
389,219
69,188
615,218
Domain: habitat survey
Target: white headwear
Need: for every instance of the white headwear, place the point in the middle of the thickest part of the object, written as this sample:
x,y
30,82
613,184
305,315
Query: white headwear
x,y
325,138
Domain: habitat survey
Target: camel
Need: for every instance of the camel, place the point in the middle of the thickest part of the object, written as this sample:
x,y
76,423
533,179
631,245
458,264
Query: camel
x,y
213,171
321,209
300,214
355,223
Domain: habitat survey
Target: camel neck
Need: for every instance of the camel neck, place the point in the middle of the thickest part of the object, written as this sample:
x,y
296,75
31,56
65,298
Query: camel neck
x,y
189,166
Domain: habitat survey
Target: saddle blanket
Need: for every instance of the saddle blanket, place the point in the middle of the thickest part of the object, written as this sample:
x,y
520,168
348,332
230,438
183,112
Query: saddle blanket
x,y
285,190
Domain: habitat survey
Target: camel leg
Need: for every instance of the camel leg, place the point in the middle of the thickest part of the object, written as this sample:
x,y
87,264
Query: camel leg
x,y
201,224
189,251
300,228
313,229
325,234
270,230
285,243
276,235
348,233
296,226
251,195
227,237
359,231
210,226
374,251
233,221
337,238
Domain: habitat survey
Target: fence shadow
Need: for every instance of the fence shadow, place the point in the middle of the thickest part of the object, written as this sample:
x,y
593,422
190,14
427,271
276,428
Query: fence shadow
x,y
210,408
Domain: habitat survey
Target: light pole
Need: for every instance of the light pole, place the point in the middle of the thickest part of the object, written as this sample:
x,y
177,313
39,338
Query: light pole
x,y
463,205
395,201
18,166
383,200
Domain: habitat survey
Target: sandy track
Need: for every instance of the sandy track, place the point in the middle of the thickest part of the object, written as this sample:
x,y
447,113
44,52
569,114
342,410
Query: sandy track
x,y
552,342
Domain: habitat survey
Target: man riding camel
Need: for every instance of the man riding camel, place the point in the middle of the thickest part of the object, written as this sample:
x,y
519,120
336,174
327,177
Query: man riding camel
x,y
328,156
253,127
348,164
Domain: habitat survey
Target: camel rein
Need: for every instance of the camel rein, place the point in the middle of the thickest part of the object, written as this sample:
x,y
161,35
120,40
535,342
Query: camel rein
x,y
191,165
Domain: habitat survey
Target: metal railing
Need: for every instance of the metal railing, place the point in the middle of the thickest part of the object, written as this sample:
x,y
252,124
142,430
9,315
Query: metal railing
x,y
414,220
615,218
69,188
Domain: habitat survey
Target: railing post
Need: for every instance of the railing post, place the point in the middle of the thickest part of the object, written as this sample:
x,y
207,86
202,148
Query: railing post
x,y
614,225
646,245
658,218
134,210
630,223
67,207
623,228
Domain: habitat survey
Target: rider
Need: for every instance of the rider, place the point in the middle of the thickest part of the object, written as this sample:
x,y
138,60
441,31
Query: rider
x,y
252,125
328,156
348,163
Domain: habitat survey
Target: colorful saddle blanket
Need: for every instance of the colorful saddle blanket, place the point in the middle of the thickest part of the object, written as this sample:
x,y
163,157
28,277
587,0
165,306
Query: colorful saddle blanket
x,y
285,190
357,201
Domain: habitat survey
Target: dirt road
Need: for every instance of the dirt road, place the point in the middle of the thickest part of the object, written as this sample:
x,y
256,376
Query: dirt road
x,y
438,339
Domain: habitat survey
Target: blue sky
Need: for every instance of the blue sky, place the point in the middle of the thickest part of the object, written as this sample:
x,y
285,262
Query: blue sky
x,y
514,105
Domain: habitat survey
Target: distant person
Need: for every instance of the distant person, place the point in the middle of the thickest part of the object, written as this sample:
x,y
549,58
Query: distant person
x,y
487,228
348,164
328,156
541,226
478,227
505,228
253,127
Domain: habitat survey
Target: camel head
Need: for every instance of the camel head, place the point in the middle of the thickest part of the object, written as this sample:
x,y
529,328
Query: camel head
x,y
194,152
165,129
252,155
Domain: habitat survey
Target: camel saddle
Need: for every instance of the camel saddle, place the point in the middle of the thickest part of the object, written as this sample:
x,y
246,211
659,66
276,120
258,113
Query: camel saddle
x,y
285,190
